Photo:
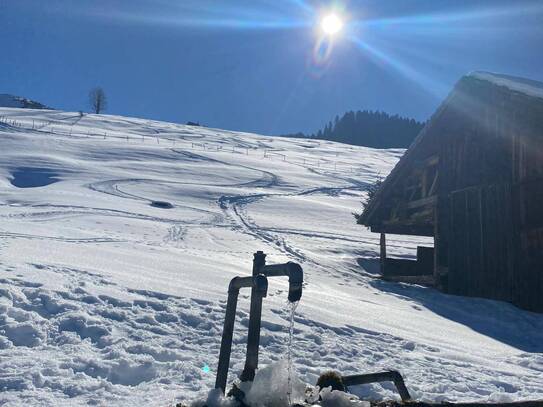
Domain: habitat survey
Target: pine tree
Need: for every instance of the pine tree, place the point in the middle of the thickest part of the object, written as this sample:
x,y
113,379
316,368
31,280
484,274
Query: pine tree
x,y
370,128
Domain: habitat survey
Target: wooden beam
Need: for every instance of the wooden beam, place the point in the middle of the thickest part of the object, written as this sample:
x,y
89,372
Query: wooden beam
x,y
403,229
424,183
429,201
434,184
428,162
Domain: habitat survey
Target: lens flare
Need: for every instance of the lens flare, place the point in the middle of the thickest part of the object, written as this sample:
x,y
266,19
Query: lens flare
x,y
331,24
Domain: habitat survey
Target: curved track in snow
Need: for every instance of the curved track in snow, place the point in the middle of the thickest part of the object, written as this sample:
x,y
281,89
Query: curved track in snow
x,y
103,297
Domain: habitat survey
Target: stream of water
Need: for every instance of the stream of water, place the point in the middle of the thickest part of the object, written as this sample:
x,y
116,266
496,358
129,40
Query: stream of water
x,y
292,308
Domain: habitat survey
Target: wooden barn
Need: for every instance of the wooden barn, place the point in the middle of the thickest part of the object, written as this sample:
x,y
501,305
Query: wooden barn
x,y
472,180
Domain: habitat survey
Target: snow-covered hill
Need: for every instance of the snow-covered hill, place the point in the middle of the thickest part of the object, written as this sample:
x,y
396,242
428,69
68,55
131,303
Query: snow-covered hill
x,y
106,299
7,100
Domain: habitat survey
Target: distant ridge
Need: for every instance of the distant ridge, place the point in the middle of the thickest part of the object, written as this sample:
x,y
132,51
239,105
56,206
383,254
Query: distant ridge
x,y
7,100
369,129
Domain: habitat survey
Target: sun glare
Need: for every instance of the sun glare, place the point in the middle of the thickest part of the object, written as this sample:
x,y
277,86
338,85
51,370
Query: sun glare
x,y
331,24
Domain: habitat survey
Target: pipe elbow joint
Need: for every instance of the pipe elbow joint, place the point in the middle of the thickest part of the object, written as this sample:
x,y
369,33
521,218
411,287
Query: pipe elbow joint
x,y
295,273
295,279
234,286
396,376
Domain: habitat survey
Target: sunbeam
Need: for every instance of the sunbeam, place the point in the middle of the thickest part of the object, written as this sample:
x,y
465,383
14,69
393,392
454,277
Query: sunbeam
x,y
188,15
454,17
212,23
303,5
424,82
386,40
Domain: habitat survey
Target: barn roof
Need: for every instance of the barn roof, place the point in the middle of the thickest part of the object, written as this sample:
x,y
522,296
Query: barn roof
x,y
526,86
512,84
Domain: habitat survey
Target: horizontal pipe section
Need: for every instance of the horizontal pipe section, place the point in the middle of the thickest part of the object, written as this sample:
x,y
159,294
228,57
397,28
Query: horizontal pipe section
x,y
295,277
239,282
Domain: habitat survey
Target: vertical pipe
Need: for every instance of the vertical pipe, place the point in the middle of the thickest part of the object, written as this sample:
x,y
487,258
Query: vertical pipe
x,y
383,253
255,315
226,342
253,340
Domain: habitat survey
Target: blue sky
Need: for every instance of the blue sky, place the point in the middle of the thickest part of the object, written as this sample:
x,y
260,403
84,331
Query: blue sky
x,y
252,65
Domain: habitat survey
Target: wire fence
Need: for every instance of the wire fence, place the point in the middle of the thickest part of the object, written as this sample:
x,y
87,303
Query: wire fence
x,y
55,127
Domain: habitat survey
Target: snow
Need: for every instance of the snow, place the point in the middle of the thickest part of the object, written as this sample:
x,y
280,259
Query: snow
x,y
525,86
271,385
107,299
334,398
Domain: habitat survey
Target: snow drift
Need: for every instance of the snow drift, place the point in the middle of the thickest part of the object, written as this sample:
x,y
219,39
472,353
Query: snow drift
x,y
106,299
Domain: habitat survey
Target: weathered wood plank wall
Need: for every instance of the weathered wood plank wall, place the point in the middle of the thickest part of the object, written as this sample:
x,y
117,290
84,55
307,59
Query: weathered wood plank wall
x,y
494,253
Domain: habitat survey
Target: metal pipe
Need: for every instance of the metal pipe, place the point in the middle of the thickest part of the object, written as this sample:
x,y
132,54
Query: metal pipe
x,y
253,340
296,276
259,284
391,376
255,317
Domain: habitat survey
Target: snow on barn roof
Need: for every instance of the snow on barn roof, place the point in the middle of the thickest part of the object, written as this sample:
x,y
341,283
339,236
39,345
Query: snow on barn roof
x,y
515,84
526,86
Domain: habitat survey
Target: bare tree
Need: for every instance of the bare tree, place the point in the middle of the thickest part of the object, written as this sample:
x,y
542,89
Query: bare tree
x,y
97,100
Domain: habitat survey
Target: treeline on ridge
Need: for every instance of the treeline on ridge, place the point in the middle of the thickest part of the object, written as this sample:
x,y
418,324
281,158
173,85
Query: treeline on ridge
x,y
368,128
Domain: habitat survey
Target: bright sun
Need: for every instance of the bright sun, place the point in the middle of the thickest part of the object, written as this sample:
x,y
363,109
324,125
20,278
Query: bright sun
x,y
331,24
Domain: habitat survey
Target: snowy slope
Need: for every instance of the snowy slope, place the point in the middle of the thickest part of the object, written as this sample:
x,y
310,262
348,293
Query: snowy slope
x,y
107,300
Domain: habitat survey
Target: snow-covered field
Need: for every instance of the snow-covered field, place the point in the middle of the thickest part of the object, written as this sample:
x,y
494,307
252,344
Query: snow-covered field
x,y
108,300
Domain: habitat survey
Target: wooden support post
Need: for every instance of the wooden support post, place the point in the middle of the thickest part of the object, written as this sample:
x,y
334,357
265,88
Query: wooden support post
x,y
383,252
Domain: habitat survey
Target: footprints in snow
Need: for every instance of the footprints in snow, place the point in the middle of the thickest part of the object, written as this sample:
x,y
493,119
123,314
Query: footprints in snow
x,y
127,338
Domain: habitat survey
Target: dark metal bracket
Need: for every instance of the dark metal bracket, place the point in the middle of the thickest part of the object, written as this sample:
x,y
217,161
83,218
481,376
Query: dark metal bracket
x,y
391,376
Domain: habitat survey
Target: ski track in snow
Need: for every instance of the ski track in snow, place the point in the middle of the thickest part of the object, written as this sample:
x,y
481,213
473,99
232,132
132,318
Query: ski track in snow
x,y
106,300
